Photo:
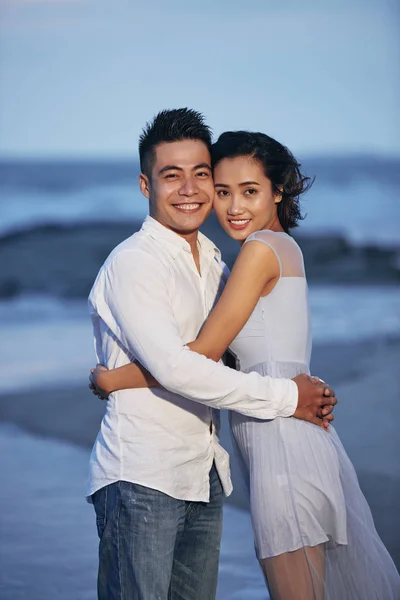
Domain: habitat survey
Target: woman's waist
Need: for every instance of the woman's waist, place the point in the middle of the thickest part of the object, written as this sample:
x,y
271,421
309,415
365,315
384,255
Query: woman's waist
x,y
289,431
279,369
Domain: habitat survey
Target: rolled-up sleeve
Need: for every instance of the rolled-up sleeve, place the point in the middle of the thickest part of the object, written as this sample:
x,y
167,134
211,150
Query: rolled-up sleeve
x,y
134,303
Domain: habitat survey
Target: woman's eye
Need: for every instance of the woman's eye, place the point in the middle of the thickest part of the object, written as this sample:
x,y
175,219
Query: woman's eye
x,y
222,193
251,191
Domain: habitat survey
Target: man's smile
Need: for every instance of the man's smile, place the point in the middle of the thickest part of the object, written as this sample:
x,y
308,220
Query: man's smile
x,y
188,207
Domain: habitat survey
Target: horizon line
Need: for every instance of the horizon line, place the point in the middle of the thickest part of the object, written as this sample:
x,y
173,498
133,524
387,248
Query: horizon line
x,y
124,158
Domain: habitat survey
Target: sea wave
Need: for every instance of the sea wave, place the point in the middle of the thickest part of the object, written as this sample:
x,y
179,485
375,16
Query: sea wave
x,y
355,197
22,210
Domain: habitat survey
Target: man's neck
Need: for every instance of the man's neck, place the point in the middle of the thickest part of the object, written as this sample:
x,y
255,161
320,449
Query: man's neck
x,y
191,238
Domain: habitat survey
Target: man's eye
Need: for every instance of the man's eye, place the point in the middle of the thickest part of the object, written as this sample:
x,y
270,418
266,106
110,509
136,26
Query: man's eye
x,y
202,174
171,176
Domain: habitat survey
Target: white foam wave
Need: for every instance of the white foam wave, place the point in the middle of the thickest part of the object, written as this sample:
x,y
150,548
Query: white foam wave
x,y
363,210
115,203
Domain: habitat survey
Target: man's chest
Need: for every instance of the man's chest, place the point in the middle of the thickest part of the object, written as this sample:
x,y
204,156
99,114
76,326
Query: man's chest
x,y
193,295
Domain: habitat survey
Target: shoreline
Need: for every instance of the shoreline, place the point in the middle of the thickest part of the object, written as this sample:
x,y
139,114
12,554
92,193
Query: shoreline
x,y
363,374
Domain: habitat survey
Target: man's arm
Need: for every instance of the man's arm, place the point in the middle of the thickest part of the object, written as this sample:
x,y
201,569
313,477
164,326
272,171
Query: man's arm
x,y
135,306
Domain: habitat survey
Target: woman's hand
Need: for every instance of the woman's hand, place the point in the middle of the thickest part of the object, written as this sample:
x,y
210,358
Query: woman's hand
x,y
98,382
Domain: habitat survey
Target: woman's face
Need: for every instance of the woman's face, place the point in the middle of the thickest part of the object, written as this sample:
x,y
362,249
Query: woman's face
x,y
244,201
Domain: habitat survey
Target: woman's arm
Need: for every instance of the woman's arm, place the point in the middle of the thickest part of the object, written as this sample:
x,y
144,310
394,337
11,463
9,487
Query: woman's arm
x,y
254,273
103,381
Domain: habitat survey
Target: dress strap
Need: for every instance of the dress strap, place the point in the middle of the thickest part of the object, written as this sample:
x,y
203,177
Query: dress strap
x,y
262,236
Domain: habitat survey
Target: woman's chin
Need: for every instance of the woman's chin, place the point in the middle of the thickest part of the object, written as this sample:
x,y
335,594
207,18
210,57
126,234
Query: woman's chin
x,y
240,237
237,234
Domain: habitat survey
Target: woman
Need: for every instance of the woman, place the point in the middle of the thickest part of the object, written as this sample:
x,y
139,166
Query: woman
x,y
314,534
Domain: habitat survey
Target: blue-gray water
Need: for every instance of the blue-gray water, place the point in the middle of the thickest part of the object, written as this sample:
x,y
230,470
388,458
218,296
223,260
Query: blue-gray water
x,y
59,221
356,195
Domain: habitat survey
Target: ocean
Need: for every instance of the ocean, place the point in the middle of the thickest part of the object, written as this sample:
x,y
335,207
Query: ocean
x,y
59,220
354,196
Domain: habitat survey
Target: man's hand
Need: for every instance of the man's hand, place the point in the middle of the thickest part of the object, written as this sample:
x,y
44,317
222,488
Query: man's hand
x,y
316,400
95,382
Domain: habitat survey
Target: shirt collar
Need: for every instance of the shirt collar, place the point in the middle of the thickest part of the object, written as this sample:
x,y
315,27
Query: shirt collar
x,y
174,243
209,247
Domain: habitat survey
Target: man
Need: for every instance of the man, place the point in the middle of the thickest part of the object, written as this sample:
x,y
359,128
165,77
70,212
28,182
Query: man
x,y
158,473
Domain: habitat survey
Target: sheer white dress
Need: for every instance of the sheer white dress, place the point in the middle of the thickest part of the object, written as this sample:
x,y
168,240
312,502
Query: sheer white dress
x,y
303,490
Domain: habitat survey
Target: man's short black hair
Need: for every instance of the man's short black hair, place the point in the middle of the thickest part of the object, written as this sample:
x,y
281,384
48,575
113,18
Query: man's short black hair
x,y
171,126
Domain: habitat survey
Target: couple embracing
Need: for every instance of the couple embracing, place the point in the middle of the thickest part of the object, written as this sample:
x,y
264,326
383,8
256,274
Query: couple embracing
x,y
165,310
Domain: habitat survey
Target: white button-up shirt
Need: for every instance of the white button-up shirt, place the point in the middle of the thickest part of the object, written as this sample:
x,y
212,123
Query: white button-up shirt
x,y
147,302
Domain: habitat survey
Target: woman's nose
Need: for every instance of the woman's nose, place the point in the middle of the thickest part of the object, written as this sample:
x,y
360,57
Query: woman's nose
x,y
235,208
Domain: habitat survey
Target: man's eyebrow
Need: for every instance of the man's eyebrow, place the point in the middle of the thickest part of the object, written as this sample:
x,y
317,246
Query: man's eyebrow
x,y
169,168
176,168
202,166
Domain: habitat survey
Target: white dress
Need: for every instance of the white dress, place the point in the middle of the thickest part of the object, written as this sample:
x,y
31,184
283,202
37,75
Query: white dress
x,y
302,487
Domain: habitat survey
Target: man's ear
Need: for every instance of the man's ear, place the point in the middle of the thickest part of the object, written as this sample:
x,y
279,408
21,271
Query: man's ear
x,y
144,184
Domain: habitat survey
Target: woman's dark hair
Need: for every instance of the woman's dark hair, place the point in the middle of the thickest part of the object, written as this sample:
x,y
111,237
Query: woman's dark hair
x,y
171,126
279,164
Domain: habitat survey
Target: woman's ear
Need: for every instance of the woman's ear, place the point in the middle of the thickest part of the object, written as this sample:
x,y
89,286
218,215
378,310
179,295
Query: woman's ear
x,y
278,195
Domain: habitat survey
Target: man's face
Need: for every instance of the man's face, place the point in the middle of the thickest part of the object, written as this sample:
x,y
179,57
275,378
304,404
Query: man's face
x,y
180,189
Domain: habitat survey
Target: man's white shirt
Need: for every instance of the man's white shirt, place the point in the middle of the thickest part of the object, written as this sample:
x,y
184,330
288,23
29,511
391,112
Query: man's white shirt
x,y
147,302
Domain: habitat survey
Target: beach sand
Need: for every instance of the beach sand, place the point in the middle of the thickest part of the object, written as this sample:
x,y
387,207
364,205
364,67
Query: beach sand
x,y
364,376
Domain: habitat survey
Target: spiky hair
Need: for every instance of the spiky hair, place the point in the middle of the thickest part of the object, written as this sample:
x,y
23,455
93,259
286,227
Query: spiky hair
x,y
171,126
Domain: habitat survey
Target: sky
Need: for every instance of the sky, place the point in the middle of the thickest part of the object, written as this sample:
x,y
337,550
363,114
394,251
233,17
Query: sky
x,y
82,77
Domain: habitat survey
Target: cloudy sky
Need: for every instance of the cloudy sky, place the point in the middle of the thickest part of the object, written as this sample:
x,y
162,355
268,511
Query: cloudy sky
x,y
81,77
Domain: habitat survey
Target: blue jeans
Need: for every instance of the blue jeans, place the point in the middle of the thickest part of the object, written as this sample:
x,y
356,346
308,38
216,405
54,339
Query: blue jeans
x,y
154,547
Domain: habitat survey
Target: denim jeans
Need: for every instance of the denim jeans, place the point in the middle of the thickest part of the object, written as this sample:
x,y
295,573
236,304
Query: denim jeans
x,y
154,547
